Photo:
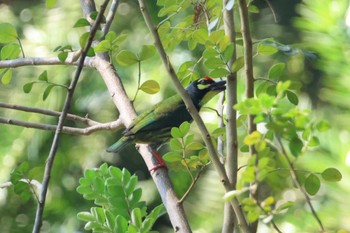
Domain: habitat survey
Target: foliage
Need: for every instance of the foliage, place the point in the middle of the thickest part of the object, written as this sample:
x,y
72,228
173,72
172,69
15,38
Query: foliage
x,y
118,205
288,134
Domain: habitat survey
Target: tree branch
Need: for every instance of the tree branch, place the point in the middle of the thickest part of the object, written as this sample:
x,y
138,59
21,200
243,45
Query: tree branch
x,y
49,113
110,17
115,125
34,61
54,146
249,83
194,113
231,115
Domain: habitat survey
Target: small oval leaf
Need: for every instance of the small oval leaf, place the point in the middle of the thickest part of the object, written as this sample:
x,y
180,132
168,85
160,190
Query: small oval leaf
x,y
312,184
147,51
28,87
150,87
126,58
292,97
331,174
82,22
8,33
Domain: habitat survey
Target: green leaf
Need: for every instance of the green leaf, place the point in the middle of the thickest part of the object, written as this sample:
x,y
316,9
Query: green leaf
x,y
126,58
194,146
136,217
103,46
172,156
214,63
147,51
121,225
150,87
295,146
282,86
331,174
47,91
312,184
6,76
85,216
84,39
218,73
50,3
292,97
43,76
252,138
82,22
266,49
238,64
176,133
253,9
276,70
175,144
10,51
252,216
184,128
285,206
8,33
28,87
62,56
314,141
200,36
323,126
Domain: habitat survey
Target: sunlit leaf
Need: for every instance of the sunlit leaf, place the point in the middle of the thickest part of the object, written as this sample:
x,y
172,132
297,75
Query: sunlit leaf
x,y
126,58
8,33
200,36
266,49
6,76
50,3
238,64
147,51
10,51
103,46
172,157
252,138
323,126
150,87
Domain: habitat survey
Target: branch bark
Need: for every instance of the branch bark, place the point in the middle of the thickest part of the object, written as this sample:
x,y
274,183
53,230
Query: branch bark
x,y
194,113
54,146
230,221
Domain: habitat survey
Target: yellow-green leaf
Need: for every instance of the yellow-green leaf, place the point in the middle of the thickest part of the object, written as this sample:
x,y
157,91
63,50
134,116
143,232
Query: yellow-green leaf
x,y
331,174
8,33
238,64
150,87
252,138
126,58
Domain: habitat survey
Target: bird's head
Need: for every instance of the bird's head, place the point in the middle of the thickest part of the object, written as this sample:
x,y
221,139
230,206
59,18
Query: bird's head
x,y
202,90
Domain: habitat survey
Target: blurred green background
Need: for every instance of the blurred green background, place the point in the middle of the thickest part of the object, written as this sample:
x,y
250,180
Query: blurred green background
x,y
322,27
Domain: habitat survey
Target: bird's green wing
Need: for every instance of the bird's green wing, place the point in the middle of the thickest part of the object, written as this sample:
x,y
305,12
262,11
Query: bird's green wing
x,y
155,117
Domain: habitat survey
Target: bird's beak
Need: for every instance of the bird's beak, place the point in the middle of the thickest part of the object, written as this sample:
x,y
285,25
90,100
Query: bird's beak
x,y
218,86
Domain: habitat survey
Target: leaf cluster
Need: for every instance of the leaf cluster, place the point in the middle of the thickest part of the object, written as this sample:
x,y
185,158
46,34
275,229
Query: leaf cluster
x,y
118,202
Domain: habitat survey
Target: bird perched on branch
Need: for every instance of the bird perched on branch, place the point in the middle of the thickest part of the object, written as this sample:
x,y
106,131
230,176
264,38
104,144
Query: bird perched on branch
x,y
154,125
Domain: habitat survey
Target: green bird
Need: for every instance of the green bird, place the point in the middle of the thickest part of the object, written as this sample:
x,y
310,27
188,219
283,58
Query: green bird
x,y
154,125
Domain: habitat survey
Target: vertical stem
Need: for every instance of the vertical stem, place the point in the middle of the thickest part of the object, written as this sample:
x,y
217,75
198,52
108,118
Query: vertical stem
x,y
230,221
249,83
54,146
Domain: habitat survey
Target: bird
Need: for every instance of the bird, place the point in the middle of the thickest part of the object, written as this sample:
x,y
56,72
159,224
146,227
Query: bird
x,y
154,125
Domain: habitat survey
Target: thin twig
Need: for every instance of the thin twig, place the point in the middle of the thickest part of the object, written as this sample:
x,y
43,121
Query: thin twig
x,y
297,182
194,114
115,125
110,17
35,61
67,103
249,85
49,113
194,181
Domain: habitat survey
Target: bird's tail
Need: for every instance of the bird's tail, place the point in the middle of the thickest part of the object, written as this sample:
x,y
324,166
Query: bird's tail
x,y
119,145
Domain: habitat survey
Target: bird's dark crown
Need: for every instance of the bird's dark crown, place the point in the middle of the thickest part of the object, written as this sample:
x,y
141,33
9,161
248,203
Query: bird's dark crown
x,y
200,88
